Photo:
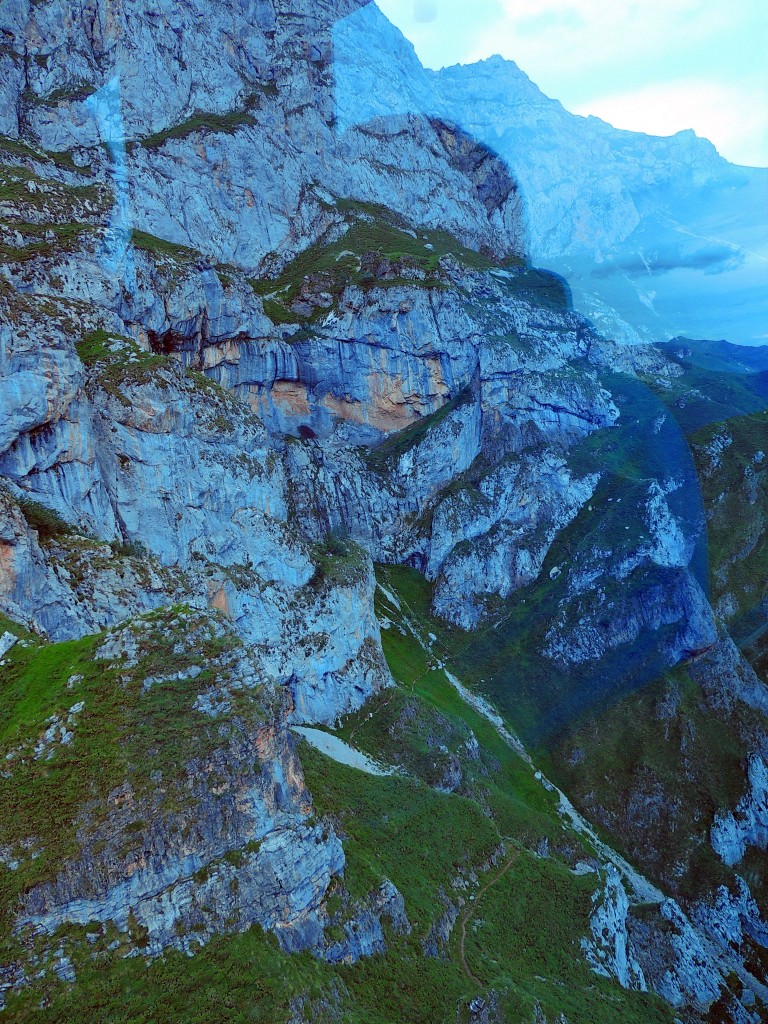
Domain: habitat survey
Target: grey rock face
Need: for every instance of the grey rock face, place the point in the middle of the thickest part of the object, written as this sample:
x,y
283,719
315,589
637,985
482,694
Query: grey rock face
x,y
269,88
684,971
164,440
610,951
729,679
689,961
297,384
384,360
733,831
31,592
732,917
183,902
364,935
674,607
221,539
224,845
731,683
7,641
142,43
500,537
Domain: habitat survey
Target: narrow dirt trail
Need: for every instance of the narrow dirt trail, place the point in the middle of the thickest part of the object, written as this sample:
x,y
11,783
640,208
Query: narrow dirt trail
x,y
469,912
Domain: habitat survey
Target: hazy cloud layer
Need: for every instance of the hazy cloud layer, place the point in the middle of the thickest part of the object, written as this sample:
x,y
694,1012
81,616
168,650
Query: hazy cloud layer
x,y
713,259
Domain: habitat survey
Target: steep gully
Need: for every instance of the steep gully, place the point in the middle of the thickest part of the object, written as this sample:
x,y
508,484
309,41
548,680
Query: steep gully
x,y
643,889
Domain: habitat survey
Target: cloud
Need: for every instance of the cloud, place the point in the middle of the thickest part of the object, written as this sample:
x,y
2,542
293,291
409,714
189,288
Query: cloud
x,y
442,30
544,21
425,11
549,37
728,115
713,259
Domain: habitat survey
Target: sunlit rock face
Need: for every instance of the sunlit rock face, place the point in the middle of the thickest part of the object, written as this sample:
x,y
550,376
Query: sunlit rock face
x,y
268,71
658,236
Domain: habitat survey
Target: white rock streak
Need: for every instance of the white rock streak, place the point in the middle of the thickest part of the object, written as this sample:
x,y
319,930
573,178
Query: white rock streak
x,y
341,752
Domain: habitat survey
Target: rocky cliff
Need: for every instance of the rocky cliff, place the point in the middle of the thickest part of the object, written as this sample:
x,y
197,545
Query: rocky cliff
x,y
247,349
658,236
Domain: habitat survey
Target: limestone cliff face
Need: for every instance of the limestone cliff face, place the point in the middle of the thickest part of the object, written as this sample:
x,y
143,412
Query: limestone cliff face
x,y
261,186
243,356
214,844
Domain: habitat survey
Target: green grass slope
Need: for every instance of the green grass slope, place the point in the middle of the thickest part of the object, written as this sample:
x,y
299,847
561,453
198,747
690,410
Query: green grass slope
x,y
521,917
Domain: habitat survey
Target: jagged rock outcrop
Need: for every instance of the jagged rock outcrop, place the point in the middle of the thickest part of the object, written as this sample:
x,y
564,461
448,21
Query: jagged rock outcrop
x,y
671,605
500,533
747,825
661,947
610,951
219,841
246,857
364,934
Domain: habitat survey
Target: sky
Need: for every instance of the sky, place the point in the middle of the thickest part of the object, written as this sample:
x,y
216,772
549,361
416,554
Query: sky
x,y
655,66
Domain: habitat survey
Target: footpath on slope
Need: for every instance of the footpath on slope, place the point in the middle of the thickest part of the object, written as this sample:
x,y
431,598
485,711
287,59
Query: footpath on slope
x,y
469,912
644,890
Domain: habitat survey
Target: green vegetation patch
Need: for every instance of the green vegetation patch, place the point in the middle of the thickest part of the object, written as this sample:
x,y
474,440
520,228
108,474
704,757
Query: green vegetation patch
x,y
338,561
14,182
235,979
162,247
18,148
542,288
99,346
524,940
409,725
75,92
124,731
66,237
118,362
526,936
47,522
378,249
711,387
399,829
62,158
200,122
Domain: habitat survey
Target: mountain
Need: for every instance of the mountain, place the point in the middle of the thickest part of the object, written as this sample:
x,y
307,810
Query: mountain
x,y
380,641
657,236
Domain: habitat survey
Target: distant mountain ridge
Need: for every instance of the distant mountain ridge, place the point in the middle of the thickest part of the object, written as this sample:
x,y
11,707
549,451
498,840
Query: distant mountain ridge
x,y
657,236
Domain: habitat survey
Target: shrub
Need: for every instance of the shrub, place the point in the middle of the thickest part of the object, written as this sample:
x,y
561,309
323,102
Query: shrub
x,y
44,520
